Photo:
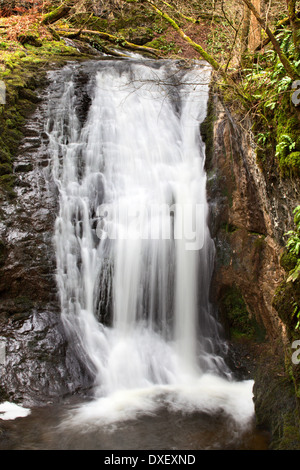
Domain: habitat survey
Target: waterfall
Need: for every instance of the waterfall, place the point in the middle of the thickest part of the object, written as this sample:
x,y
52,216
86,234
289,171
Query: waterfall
x,y
134,251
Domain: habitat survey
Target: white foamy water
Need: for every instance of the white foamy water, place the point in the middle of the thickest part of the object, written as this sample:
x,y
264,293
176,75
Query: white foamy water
x,y
10,411
134,252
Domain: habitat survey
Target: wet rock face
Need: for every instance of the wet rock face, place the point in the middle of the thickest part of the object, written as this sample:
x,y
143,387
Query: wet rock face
x,y
246,209
38,365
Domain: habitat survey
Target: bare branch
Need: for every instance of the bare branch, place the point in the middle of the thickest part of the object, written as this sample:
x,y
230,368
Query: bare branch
x,y
289,68
209,58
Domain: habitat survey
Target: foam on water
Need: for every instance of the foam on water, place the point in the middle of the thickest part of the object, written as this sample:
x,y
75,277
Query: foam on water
x,y
10,410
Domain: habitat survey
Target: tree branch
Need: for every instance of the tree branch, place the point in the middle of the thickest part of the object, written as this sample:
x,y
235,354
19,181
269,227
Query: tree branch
x,y
210,59
55,15
108,37
279,25
204,16
289,68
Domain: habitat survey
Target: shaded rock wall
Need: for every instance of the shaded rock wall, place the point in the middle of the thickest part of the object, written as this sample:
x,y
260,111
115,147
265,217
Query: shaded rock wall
x,y
39,364
250,212
249,215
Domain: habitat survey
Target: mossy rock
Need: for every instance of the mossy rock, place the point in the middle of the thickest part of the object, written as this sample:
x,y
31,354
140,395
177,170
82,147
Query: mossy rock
x,y
139,35
24,71
7,182
275,407
288,261
290,165
5,169
287,139
30,38
5,156
285,300
29,95
236,318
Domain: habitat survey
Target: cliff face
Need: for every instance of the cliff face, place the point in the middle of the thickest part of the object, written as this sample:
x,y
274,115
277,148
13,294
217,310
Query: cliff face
x,y
250,212
38,365
248,250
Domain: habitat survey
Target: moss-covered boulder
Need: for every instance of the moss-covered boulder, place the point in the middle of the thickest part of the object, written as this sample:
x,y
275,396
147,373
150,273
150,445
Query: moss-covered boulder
x,y
276,403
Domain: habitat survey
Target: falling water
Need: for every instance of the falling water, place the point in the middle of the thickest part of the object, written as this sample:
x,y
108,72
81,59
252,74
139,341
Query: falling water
x,y
134,252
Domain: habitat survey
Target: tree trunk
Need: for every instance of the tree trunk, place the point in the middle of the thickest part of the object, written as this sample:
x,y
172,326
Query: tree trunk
x,y
209,58
278,27
289,68
60,12
294,21
254,28
71,33
245,31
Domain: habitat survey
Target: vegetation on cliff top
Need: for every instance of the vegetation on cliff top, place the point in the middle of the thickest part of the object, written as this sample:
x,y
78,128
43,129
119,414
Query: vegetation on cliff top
x,y
253,51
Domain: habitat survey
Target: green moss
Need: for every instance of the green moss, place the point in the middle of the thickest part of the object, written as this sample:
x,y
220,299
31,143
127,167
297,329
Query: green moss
x,y
5,169
287,150
157,43
30,38
276,120
163,44
285,301
55,14
95,23
238,322
290,438
7,182
290,164
140,35
229,228
23,72
276,405
288,261
4,153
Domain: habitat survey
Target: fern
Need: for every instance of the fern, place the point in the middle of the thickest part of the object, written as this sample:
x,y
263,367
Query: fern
x,y
293,245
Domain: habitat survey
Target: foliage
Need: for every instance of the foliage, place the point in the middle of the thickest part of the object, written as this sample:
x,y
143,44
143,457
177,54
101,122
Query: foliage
x,y
286,300
235,314
10,8
276,124
293,246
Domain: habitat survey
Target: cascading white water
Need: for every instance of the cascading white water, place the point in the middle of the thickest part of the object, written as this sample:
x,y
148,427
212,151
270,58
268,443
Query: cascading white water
x,y
134,252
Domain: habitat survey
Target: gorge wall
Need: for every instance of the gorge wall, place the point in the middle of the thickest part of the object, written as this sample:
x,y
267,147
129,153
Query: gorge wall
x,y
39,366
250,212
